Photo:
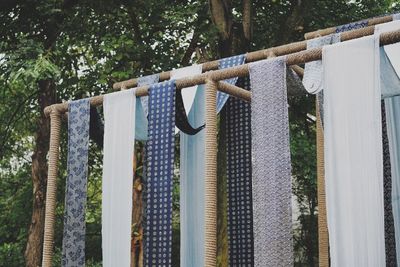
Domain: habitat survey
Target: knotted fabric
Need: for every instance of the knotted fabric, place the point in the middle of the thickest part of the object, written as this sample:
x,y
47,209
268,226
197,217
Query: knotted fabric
x,y
273,245
73,249
223,64
239,189
353,154
192,173
119,141
159,169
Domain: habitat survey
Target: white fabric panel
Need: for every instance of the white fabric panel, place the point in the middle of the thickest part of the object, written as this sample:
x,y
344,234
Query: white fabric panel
x,y
353,154
119,141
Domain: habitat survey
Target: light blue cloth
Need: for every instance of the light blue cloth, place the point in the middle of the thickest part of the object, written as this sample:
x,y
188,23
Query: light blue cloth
x,y
192,187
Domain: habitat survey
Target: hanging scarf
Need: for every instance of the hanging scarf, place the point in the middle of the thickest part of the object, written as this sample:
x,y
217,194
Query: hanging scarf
x,y
192,173
223,64
119,141
159,169
239,190
353,154
73,249
184,100
273,245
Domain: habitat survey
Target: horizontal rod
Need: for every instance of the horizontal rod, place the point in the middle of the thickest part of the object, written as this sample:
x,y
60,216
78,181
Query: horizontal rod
x,y
238,71
327,31
263,54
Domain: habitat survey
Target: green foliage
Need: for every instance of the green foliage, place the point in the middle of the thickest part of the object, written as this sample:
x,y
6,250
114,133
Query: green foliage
x,y
87,45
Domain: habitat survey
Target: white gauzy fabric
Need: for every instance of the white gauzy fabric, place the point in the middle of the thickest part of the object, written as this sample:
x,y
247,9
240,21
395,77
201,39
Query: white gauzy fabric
x,y
119,141
353,154
192,171
396,16
390,83
189,93
312,79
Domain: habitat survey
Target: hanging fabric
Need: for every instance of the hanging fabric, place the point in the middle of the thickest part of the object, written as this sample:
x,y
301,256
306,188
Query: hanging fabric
x,y
223,64
273,245
352,26
73,246
147,80
390,84
159,169
184,100
396,16
192,173
312,79
119,121
353,154
239,189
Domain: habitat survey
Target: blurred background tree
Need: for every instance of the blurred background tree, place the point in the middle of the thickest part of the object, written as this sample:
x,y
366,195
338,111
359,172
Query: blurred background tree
x,y
58,50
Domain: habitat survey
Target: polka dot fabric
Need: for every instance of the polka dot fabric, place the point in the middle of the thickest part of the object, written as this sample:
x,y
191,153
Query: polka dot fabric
x,y
240,212
223,64
159,169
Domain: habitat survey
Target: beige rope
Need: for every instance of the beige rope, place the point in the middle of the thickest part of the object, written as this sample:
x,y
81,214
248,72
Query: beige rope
x,y
55,126
211,175
327,31
323,241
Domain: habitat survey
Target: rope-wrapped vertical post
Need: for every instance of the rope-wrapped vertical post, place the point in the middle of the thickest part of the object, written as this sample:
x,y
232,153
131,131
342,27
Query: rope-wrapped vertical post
x,y
211,175
323,241
55,127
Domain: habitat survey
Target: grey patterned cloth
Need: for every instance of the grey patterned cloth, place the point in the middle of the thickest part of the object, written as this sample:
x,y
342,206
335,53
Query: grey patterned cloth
x,y
272,187
73,249
312,79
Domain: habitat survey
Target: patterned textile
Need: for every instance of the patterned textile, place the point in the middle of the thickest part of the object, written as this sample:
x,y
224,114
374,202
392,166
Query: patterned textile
x,y
147,80
240,209
160,166
223,64
73,249
352,26
312,79
390,241
272,187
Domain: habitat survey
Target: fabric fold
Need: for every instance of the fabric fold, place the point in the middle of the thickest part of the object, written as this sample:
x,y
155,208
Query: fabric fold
x,y
192,172
73,248
273,245
223,64
119,141
159,175
353,154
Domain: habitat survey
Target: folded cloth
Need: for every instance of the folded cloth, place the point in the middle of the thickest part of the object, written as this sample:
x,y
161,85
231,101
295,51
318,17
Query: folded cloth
x,y
73,248
272,216
223,64
353,153
119,121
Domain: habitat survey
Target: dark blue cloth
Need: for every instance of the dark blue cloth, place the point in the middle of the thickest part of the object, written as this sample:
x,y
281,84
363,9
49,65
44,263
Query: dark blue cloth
x,y
352,26
239,187
223,64
73,249
159,169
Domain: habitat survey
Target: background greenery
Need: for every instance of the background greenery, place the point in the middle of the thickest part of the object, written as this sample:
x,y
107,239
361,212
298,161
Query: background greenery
x,y
80,48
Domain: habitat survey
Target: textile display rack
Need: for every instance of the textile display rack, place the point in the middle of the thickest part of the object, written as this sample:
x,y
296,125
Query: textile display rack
x,y
213,79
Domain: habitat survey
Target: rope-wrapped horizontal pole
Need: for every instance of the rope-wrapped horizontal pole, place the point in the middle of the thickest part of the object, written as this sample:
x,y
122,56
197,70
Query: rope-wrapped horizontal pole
x,y
242,70
327,31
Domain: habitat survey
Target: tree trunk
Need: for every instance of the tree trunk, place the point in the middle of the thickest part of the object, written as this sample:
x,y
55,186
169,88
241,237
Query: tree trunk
x,y
33,252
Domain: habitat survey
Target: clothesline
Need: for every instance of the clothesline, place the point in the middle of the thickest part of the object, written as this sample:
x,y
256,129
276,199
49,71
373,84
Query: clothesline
x,y
239,71
277,51
327,31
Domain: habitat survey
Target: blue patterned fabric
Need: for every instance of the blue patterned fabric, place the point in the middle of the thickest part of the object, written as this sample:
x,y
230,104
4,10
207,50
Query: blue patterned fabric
x,y
239,187
223,64
73,249
159,168
352,26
